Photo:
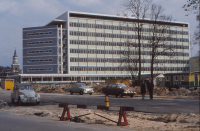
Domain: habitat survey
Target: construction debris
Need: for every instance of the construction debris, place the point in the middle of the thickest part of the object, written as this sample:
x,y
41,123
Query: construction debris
x,y
158,91
47,89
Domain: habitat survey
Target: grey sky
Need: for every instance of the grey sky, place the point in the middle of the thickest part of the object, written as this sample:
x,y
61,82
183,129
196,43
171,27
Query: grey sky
x,y
17,14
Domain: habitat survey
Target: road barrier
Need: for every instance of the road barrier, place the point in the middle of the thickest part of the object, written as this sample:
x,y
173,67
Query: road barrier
x,y
122,111
106,101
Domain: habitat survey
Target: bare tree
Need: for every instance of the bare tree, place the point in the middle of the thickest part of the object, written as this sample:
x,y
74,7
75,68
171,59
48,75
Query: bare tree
x,y
193,7
158,36
130,60
138,9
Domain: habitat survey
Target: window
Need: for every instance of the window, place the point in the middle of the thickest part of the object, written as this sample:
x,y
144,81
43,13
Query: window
x,y
39,51
40,33
40,69
167,78
39,42
39,60
195,77
182,78
176,78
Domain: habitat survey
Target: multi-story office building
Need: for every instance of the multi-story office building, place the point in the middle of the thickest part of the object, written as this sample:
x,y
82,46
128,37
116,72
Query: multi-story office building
x,y
78,43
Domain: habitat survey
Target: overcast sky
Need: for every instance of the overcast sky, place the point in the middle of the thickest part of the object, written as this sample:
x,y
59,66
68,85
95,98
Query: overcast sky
x,y
18,14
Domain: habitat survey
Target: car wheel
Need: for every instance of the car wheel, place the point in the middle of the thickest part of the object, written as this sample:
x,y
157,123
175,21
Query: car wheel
x,y
71,93
81,92
12,100
131,96
120,95
19,101
90,93
106,94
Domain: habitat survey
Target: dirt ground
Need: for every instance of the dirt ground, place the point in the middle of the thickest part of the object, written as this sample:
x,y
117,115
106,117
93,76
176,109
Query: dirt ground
x,y
137,121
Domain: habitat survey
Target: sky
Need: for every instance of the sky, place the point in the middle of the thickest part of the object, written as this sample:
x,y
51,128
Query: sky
x,y
18,14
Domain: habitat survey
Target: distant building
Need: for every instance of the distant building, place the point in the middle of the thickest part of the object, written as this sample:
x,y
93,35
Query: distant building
x,y
195,63
88,45
15,65
13,70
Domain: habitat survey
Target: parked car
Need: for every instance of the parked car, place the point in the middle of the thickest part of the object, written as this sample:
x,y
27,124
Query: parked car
x,y
24,93
118,89
80,88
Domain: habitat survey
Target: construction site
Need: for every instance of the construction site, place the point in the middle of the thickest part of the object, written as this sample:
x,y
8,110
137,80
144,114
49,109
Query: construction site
x,y
137,120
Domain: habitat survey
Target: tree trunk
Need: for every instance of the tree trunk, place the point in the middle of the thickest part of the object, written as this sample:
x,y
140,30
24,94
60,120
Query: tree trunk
x,y
152,61
139,37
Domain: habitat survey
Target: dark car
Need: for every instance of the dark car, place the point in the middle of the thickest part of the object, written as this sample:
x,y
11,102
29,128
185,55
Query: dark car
x,y
118,89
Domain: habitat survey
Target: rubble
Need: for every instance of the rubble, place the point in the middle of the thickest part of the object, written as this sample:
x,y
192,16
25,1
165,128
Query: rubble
x,y
97,88
158,91
39,88
184,92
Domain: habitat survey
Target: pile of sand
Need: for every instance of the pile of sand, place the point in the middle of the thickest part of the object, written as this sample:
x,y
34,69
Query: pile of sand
x,y
97,88
184,92
160,91
164,91
47,89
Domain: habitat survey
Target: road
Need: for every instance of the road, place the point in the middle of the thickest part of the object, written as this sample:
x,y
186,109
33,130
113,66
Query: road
x,y
9,122
166,105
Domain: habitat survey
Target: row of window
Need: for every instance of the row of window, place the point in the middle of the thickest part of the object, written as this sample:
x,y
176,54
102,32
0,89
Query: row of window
x,y
40,42
73,68
117,52
125,36
104,43
39,60
39,69
114,60
126,28
176,78
40,33
39,51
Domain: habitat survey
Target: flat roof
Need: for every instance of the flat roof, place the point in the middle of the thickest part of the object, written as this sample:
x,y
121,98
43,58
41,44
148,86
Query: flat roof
x,y
56,21
122,18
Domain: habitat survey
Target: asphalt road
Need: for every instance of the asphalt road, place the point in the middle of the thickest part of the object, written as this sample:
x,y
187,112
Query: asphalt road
x,y
166,105
10,122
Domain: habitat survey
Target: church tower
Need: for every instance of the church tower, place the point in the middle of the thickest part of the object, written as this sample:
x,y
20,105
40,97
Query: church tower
x,y
15,64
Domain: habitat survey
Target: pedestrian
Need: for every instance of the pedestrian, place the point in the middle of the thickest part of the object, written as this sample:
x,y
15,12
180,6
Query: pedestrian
x,y
143,89
150,87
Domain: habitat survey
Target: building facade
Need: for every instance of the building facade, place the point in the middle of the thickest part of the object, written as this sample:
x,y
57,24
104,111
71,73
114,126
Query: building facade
x,y
86,43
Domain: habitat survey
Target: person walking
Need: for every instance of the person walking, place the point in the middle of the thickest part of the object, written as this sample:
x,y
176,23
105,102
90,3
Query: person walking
x,y
150,87
143,89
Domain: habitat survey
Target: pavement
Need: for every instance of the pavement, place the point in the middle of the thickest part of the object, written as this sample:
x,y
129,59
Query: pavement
x,y
166,105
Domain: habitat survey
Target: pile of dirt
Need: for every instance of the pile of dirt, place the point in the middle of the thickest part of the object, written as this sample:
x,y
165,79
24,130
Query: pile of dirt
x,y
164,91
137,90
160,91
184,92
47,89
97,88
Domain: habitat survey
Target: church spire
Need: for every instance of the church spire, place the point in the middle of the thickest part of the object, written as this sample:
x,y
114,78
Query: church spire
x,y
15,53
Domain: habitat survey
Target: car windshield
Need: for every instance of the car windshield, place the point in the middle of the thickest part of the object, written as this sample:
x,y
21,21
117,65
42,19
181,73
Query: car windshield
x,y
81,85
121,85
25,88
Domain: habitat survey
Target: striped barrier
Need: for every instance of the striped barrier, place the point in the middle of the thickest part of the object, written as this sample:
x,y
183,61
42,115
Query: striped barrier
x,y
122,111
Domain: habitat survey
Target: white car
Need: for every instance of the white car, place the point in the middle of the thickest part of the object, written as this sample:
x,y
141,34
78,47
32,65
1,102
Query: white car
x,y
24,93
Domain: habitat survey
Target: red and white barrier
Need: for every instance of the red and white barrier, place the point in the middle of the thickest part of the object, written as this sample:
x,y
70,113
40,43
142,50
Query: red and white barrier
x,y
122,111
